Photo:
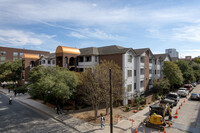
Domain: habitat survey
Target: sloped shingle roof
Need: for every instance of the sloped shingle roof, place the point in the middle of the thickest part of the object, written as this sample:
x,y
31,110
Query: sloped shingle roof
x,y
113,49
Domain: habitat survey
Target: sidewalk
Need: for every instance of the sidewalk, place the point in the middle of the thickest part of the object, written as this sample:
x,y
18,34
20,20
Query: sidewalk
x,y
123,126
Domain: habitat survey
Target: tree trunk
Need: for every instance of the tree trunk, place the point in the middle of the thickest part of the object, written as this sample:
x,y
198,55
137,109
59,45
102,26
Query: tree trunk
x,y
107,108
96,111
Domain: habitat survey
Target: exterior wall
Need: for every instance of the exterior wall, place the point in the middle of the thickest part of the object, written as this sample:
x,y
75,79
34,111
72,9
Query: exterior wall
x,y
128,95
90,64
27,67
46,63
9,53
117,58
146,79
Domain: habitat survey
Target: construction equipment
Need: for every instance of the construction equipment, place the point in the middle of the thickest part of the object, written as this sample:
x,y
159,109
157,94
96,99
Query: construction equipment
x,y
157,115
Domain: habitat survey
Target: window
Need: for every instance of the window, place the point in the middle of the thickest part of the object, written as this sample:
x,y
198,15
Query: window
x,y
129,88
150,71
135,86
130,58
54,62
43,61
150,82
96,58
81,69
155,62
3,52
21,54
15,54
141,83
3,58
88,58
80,59
150,60
155,71
142,71
142,59
49,62
129,73
135,73
15,58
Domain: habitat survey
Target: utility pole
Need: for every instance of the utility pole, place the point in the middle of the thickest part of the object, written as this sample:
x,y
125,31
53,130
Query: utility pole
x,y
111,113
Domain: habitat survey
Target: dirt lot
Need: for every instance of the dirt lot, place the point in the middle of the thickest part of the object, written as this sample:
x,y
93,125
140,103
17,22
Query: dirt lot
x,y
89,115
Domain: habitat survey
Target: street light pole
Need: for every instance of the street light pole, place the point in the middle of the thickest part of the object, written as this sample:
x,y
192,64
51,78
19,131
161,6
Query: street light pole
x,y
111,113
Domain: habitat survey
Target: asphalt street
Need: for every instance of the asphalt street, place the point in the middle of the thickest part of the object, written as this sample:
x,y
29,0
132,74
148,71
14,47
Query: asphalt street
x,y
19,118
188,120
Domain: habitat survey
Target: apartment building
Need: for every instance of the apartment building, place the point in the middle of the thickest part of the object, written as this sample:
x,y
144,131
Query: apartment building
x,y
139,66
12,54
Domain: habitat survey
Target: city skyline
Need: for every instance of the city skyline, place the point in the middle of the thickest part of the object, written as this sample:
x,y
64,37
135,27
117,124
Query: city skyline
x,y
158,25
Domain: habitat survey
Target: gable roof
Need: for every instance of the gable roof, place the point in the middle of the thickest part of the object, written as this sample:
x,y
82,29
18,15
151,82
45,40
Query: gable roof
x,y
113,49
162,56
141,51
49,57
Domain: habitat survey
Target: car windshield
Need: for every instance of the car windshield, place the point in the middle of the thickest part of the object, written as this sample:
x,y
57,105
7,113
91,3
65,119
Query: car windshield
x,y
171,95
187,86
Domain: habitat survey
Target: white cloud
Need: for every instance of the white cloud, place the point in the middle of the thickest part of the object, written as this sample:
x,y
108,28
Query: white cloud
x,y
21,38
18,38
188,33
91,14
96,34
77,35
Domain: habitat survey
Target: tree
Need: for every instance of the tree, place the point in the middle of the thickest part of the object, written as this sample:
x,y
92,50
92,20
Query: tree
x,y
58,83
104,80
11,71
172,73
187,71
95,85
197,60
196,69
161,86
90,89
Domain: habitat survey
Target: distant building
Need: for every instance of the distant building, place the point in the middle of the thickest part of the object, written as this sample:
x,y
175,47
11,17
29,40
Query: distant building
x,y
172,52
188,58
12,54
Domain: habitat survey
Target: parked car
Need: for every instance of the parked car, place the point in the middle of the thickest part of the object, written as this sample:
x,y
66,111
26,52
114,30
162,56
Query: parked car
x,y
183,92
194,84
195,96
171,102
173,96
189,87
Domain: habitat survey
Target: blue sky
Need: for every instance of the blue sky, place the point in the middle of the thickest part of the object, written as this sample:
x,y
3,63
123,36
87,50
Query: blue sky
x,y
154,24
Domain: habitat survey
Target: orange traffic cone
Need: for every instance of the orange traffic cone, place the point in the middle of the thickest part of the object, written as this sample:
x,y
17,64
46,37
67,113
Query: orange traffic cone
x,y
151,131
181,104
136,131
143,130
179,107
164,130
177,112
184,101
159,130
